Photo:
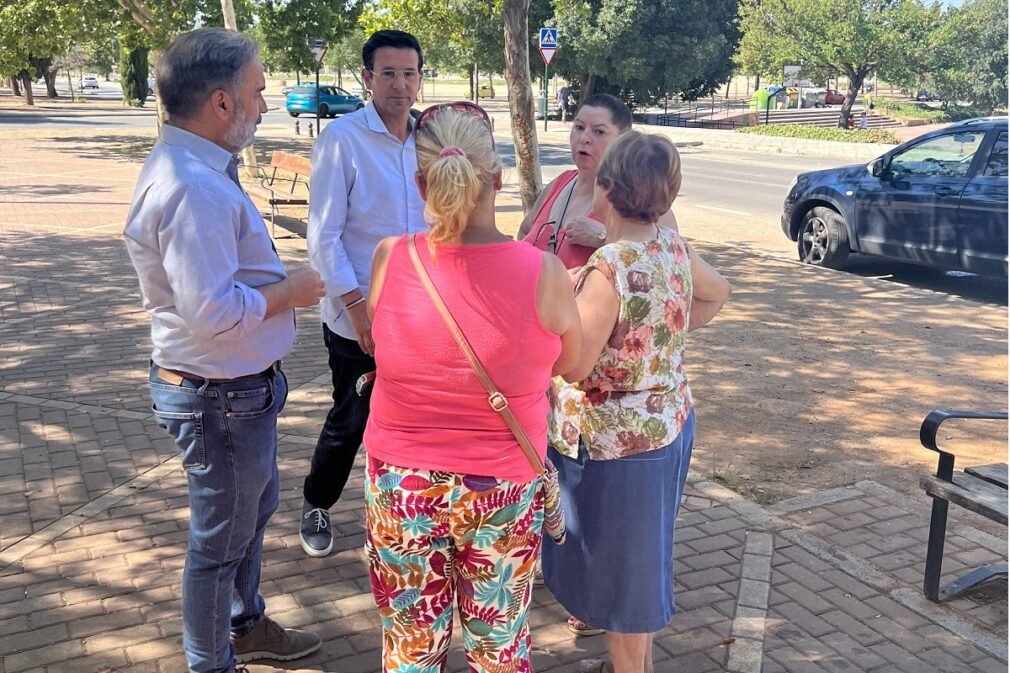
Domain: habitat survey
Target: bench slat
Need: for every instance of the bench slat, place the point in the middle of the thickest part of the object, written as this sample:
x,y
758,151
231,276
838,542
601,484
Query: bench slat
x,y
971,493
291,162
994,474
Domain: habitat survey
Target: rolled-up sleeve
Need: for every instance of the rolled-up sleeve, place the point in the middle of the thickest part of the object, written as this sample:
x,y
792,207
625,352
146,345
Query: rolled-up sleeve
x,y
200,255
332,179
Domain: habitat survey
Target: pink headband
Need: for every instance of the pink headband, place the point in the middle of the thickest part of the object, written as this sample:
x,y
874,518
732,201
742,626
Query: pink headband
x,y
451,151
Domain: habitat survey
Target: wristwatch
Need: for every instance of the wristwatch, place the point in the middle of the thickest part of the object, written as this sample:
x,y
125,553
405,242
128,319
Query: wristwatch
x,y
602,235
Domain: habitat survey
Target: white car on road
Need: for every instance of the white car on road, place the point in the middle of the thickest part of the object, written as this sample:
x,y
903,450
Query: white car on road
x,y
89,82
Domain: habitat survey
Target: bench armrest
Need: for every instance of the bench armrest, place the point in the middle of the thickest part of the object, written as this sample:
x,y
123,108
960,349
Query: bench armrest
x,y
931,426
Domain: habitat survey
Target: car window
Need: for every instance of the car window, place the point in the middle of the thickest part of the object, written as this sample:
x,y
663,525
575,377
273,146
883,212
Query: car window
x,y
997,164
304,89
948,155
341,92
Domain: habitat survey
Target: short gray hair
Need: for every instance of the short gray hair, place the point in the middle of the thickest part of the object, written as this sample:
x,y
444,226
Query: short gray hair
x,y
199,62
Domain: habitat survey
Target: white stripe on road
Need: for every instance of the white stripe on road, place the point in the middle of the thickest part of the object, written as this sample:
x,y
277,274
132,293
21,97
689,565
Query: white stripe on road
x,y
721,210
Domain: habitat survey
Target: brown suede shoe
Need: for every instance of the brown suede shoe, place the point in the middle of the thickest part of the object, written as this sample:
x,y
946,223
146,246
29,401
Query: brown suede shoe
x,y
269,640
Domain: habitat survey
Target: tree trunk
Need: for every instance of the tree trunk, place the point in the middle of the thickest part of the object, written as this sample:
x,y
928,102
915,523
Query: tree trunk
x,y
248,153
15,87
587,84
26,80
856,77
50,78
473,87
490,83
520,89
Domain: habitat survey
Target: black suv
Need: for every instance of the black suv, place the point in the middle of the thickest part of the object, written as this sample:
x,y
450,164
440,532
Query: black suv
x,y
939,200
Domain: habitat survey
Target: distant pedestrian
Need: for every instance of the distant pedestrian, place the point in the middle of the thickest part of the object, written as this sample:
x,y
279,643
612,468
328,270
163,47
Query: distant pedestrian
x,y
864,122
363,190
221,307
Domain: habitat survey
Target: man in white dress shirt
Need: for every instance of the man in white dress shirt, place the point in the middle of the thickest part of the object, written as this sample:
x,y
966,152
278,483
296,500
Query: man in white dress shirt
x,y
363,190
222,317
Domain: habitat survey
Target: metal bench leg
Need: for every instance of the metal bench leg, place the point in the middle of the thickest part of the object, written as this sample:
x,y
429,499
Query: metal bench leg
x,y
934,549
973,579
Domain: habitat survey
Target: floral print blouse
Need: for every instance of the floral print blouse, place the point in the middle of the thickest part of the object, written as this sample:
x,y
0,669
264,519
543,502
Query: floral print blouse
x,y
636,399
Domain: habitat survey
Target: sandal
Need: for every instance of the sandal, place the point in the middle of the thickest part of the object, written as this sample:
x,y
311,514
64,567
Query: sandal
x,y
595,666
580,628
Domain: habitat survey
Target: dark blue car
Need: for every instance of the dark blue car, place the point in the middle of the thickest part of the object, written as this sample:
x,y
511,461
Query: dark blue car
x,y
939,200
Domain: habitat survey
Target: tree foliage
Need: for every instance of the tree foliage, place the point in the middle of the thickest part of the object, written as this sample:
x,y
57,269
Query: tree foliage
x,y
853,37
644,50
970,58
286,28
133,69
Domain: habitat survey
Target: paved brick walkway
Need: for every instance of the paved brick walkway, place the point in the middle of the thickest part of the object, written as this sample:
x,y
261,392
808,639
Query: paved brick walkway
x,y
93,499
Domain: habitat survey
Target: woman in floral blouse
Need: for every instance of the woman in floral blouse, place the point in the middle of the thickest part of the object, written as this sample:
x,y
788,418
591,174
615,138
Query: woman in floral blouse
x,y
622,427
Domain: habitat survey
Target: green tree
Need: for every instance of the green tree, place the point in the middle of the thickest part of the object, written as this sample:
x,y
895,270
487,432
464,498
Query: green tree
x,y
287,27
644,50
32,33
970,58
133,69
853,37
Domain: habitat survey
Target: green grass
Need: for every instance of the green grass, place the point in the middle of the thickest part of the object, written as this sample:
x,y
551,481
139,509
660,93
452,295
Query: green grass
x,y
818,133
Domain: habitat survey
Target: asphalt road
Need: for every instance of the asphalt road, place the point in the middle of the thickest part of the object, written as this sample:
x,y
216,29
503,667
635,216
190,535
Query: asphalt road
x,y
727,197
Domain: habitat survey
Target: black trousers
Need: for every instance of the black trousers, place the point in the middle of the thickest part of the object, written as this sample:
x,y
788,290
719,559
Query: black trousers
x,y
341,435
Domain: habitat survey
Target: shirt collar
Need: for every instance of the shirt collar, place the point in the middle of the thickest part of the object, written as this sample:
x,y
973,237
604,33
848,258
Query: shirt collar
x,y
376,124
205,150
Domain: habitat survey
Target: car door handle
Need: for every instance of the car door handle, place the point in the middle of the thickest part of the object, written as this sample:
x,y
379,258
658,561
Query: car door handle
x,y
945,191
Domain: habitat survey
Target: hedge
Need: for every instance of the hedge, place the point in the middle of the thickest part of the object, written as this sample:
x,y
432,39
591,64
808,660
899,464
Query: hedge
x,y
819,133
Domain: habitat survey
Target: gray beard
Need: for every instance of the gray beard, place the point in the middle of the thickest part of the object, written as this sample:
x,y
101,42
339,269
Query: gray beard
x,y
240,134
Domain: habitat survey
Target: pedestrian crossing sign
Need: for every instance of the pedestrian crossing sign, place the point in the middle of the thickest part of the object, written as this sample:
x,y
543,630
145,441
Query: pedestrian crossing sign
x,y
548,38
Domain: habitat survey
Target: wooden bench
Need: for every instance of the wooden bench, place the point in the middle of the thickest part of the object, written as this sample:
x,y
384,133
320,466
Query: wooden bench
x,y
280,190
981,489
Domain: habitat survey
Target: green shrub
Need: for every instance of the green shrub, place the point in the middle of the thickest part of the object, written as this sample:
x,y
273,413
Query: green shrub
x,y
905,110
818,133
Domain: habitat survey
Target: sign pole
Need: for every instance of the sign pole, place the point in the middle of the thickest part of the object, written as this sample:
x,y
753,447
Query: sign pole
x,y
545,98
317,99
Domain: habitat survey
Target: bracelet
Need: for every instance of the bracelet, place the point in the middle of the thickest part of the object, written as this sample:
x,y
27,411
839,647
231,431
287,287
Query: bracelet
x,y
354,303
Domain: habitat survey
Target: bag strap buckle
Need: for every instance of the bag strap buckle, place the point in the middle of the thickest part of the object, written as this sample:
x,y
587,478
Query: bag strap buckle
x,y
498,402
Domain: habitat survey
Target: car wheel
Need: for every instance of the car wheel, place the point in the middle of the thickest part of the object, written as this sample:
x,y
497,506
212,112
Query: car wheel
x,y
324,110
823,239
293,114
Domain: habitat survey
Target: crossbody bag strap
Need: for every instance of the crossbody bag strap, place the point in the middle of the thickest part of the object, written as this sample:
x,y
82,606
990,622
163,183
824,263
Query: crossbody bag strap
x,y
495,399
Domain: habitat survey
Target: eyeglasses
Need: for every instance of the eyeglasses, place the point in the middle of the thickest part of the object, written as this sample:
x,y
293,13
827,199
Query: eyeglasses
x,y
389,75
459,106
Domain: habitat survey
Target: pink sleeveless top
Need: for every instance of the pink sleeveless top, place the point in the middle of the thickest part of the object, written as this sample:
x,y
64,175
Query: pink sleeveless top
x,y
428,409
571,254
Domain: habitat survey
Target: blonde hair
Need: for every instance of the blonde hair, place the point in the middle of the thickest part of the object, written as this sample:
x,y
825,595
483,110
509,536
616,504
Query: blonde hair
x,y
454,181
642,174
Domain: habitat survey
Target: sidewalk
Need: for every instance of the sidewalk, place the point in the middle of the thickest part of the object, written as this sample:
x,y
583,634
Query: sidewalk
x,y
93,498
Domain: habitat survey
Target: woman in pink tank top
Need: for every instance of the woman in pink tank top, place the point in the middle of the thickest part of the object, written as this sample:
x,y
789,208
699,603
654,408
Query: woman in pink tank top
x,y
562,219
454,509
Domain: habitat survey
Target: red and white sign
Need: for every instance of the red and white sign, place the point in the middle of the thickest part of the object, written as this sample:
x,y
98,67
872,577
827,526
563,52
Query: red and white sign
x,y
547,54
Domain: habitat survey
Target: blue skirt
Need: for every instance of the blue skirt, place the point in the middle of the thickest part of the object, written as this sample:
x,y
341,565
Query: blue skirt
x,y
615,569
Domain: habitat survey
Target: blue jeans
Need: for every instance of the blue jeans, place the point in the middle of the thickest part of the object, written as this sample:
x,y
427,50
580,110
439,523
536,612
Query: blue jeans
x,y
228,436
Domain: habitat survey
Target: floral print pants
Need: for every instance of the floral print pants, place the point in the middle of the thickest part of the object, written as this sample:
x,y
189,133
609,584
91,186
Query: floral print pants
x,y
434,537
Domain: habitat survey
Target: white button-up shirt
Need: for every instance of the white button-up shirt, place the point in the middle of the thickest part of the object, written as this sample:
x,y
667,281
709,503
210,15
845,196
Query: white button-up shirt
x,y
201,248
363,190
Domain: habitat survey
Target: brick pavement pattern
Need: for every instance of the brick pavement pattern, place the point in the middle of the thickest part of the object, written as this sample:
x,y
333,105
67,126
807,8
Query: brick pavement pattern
x,y
94,510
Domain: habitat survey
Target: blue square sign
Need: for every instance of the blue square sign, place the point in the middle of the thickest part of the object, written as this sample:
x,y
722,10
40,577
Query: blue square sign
x,y
548,38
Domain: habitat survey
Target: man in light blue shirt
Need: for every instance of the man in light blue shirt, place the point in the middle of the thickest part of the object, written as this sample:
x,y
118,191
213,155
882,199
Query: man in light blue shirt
x,y
222,317
363,190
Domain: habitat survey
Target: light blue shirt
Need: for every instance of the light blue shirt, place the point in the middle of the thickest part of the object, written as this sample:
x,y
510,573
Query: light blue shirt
x,y
201,248
363,190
